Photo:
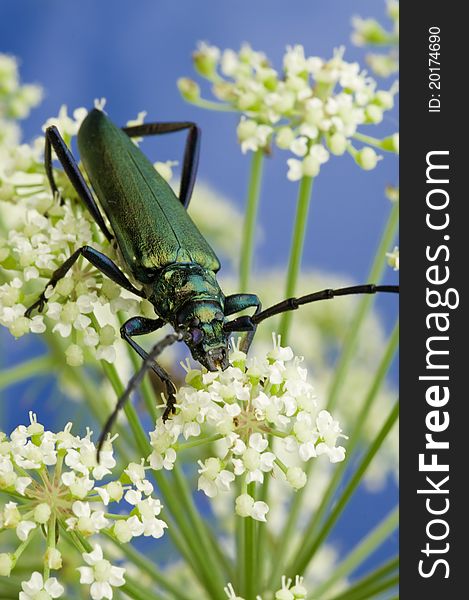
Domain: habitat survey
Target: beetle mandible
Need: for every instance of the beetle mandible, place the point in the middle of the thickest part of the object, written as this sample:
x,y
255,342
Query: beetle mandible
x,y
161,247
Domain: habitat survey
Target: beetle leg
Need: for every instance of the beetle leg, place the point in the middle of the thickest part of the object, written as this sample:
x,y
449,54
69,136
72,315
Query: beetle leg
x,y
191,151
140,326
96,258
55,140
148,362
236,303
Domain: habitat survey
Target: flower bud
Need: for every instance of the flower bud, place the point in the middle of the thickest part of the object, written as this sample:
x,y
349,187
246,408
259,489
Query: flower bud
x,y
296,477
53,558
244,504
206,60
74,355
107,335
6,564
42,513
115,491
188,89
367,158
337,143
284,137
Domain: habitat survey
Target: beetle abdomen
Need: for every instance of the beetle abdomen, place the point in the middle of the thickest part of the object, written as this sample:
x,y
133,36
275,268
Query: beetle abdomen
x,y
151,226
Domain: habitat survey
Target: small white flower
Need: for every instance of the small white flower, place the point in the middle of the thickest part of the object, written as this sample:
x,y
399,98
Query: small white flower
x,y
36,588
213,478
247,507
100,574
24,529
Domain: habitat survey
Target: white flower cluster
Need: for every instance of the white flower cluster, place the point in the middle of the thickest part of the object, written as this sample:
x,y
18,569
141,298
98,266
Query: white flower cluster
x,y
42,235
16,99
57,481
297,591
313,109
369,32
244,408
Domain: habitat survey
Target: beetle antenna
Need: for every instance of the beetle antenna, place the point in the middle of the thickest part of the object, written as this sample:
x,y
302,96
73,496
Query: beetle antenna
x,y
135,381
246,323
328,294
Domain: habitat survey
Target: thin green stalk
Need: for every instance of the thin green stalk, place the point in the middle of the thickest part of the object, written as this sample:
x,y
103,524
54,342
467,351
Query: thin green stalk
x,y
311,544
367,585
240,545
130,412
296,252
250,552
347,354
50,541
372,141
365,548
90,393
363,308
210,105
170,499
354,438
148,567
200,530
179,504
249,229
42,365
262,533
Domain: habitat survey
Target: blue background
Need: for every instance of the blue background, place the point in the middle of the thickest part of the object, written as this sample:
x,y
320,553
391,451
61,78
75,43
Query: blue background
x,y
133,52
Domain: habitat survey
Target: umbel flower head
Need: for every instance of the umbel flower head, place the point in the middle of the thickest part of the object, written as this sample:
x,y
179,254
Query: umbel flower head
x,y
42,234
255,410
313,108
60,486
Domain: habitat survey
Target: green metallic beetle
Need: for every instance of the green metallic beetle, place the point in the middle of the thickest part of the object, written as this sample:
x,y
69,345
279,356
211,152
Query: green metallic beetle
x,y
161,247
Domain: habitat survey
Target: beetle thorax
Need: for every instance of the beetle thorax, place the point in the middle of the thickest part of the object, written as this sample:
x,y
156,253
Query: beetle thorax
x,y
182,283
189,297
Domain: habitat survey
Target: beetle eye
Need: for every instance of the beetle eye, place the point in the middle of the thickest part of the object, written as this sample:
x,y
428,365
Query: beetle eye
x,y
219,316
195,322
197,336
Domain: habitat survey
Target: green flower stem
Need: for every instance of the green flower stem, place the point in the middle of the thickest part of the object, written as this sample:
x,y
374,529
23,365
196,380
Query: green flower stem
x,y
311,544
250,552
371,141
42,365
50,541
298,238
363,309
200,442
343,365
130,412
200,529
148,567
90,394
249,228
373,583
203,570
239,539
354,440
22,547
262,532
180,504
210,105
361,551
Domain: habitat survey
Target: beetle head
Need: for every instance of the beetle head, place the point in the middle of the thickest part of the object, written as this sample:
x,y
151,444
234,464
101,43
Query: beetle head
x,y
202,326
